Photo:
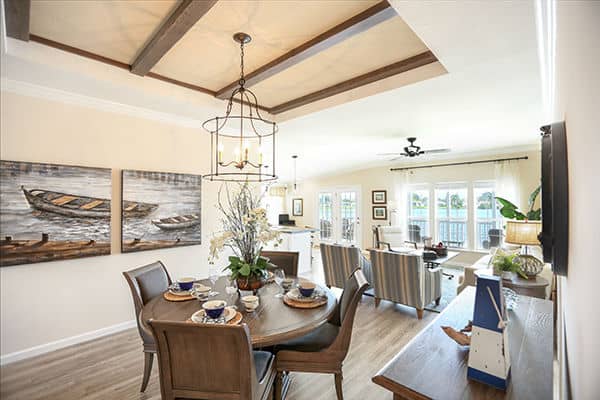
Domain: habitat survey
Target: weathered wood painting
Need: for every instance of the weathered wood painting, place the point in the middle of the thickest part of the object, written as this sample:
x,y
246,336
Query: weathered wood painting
x,y
53,212
175,217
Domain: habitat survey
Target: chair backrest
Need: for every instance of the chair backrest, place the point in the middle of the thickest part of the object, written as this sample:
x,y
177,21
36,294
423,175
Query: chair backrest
x,y
394,235
146,283
339,262
201,361
354,288
398,277
286,260
495,236
414,233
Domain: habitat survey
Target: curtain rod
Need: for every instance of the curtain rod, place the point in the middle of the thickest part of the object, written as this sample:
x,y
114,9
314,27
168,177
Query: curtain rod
x,y
461,163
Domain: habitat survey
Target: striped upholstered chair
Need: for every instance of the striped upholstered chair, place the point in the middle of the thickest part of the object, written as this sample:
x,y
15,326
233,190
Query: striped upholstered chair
x,y
339,262
404,279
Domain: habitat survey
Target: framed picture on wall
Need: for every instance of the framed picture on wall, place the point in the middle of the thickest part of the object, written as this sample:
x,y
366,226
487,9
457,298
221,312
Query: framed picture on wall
x,y
297,207
379,196
379,212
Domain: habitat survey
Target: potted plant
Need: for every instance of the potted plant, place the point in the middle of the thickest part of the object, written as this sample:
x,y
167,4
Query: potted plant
x,y
245,232
511,211
505,265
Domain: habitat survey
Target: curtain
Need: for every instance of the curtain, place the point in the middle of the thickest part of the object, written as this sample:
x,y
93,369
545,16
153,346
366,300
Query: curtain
x,y
401,183
506,175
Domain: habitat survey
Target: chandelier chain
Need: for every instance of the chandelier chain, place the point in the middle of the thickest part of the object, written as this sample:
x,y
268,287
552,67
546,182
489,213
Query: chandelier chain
x,y
242,79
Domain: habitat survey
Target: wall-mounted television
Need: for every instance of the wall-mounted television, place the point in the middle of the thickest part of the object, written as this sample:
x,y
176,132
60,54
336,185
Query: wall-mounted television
x,y
555,197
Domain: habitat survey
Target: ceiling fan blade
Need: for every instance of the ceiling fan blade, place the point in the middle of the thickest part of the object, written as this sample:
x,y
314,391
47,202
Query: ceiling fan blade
x,y
435,151
401,155
389,154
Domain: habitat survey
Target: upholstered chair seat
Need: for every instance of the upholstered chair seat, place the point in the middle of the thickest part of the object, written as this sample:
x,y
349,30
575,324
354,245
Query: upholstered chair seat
x,y
339,262
404,279
324,350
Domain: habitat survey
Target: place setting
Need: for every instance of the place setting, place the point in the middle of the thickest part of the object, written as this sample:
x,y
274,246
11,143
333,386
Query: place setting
x,y
305,295
216,312
188,288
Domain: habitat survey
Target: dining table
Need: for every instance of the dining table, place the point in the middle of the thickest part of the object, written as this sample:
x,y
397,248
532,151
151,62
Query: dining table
x,y
271,323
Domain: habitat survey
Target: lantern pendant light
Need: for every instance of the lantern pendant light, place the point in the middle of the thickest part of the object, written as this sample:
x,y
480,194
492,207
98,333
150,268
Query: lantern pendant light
x,y
242,142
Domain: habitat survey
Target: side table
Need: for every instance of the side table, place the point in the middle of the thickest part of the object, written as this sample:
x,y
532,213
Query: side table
x,y
534,287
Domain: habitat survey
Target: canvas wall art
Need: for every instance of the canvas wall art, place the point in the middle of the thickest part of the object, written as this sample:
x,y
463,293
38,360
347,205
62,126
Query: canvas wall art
x,y
53,212
160,210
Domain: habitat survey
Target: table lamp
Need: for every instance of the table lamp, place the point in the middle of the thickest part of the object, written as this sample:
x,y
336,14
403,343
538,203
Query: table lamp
x,y
525,233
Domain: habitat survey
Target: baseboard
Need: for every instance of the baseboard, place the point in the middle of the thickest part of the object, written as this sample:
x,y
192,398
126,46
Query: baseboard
x,y
66,342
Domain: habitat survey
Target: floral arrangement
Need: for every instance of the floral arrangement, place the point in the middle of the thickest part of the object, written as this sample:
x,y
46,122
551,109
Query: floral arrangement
x,y
245,231
504,261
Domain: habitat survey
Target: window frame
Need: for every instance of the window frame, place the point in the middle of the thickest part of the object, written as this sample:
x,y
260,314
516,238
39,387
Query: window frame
x,y
467,191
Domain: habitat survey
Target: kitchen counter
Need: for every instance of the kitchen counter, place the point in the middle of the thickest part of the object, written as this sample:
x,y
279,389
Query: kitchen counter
x,y
293,229
295,238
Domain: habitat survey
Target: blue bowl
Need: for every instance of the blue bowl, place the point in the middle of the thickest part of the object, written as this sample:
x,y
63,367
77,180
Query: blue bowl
x,y
214,308
306,292
185,284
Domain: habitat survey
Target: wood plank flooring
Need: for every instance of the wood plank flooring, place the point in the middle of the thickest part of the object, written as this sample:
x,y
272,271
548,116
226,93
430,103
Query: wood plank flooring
x,y
111,367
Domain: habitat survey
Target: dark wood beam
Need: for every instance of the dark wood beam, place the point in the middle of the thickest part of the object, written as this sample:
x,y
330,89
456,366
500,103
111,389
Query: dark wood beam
x,y
175,26
370,77
374,15
16,18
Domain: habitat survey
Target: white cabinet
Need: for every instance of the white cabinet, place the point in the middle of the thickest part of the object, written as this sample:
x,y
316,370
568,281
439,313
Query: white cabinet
x,y
296,239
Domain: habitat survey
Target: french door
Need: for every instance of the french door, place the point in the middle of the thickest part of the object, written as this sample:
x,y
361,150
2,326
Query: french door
x,y
338,215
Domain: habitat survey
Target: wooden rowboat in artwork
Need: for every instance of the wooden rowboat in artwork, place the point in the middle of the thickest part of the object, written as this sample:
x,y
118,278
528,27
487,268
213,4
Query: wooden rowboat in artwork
x,y
72,205
177,222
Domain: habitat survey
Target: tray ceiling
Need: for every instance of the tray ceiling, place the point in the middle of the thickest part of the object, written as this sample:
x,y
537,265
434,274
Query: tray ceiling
x,y
204,56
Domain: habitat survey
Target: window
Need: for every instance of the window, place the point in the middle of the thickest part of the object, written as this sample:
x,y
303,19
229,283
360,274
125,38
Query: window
x,y
326,215
487,217
451,216
418,215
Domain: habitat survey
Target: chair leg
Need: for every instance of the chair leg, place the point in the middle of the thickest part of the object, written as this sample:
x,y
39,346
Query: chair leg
x,y
437,301
338,386
328,286
278,386
148,357
419,313
377,301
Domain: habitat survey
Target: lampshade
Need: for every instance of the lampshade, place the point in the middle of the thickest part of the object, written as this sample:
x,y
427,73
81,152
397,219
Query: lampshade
x,y
523,232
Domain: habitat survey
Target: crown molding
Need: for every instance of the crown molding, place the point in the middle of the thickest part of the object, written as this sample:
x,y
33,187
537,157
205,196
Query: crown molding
x,y
52,94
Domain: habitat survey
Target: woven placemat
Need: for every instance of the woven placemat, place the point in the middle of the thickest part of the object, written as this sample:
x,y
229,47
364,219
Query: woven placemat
x,y
234,321
172,297
303,304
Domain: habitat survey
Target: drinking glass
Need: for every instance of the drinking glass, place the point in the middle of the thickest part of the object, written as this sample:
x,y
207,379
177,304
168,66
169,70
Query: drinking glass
x,y
231,289
279,277
213,276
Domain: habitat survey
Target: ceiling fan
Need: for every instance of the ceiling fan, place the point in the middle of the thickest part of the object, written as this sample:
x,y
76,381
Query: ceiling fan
x,y
413,150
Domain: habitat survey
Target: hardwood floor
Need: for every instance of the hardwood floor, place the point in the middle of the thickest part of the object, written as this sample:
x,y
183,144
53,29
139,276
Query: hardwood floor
x,y
111,367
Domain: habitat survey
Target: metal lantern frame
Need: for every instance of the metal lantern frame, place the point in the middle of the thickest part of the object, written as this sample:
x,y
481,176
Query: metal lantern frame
x,y
250,116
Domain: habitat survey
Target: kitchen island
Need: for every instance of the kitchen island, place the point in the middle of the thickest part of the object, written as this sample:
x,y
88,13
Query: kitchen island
x,y
294,238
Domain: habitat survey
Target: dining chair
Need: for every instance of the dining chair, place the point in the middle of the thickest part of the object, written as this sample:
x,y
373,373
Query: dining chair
x,y
404,279
146,283
339,262
286,260
202,361
324,349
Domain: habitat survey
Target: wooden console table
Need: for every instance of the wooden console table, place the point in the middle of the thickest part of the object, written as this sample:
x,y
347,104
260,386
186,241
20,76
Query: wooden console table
x,y
534,286
433,366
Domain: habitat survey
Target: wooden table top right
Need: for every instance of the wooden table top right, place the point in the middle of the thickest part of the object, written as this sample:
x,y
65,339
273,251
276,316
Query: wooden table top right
x,y
433,366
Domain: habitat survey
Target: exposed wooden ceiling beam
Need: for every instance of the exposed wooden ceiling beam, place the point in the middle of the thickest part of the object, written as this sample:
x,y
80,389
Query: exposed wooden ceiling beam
x,y
370,77
175,26
377,14
16,18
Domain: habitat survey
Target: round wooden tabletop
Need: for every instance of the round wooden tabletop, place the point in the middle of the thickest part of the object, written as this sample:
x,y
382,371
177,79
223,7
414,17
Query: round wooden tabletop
x,y
271,323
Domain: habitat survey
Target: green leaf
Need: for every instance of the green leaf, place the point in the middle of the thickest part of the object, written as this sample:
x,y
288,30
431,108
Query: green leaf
x,y
506,203
520,216
507,212
533,196
245,270
535,215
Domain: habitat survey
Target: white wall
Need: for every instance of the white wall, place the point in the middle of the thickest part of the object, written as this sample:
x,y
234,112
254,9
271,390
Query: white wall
x,y
578,103
46,302
383,178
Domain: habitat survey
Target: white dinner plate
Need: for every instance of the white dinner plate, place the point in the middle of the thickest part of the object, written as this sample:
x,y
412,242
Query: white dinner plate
x,y
180,292
295,295
228,313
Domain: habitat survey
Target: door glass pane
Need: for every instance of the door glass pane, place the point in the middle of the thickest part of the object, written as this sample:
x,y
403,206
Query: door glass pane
x,y
487,216
451,214
326,215
418,215
348,214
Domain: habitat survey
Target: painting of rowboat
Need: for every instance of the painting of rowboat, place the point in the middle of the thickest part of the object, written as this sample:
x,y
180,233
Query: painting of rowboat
x,y
54,212
176,219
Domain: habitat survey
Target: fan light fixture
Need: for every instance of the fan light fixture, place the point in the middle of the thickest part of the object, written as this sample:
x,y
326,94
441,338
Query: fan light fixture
x,y
242,143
